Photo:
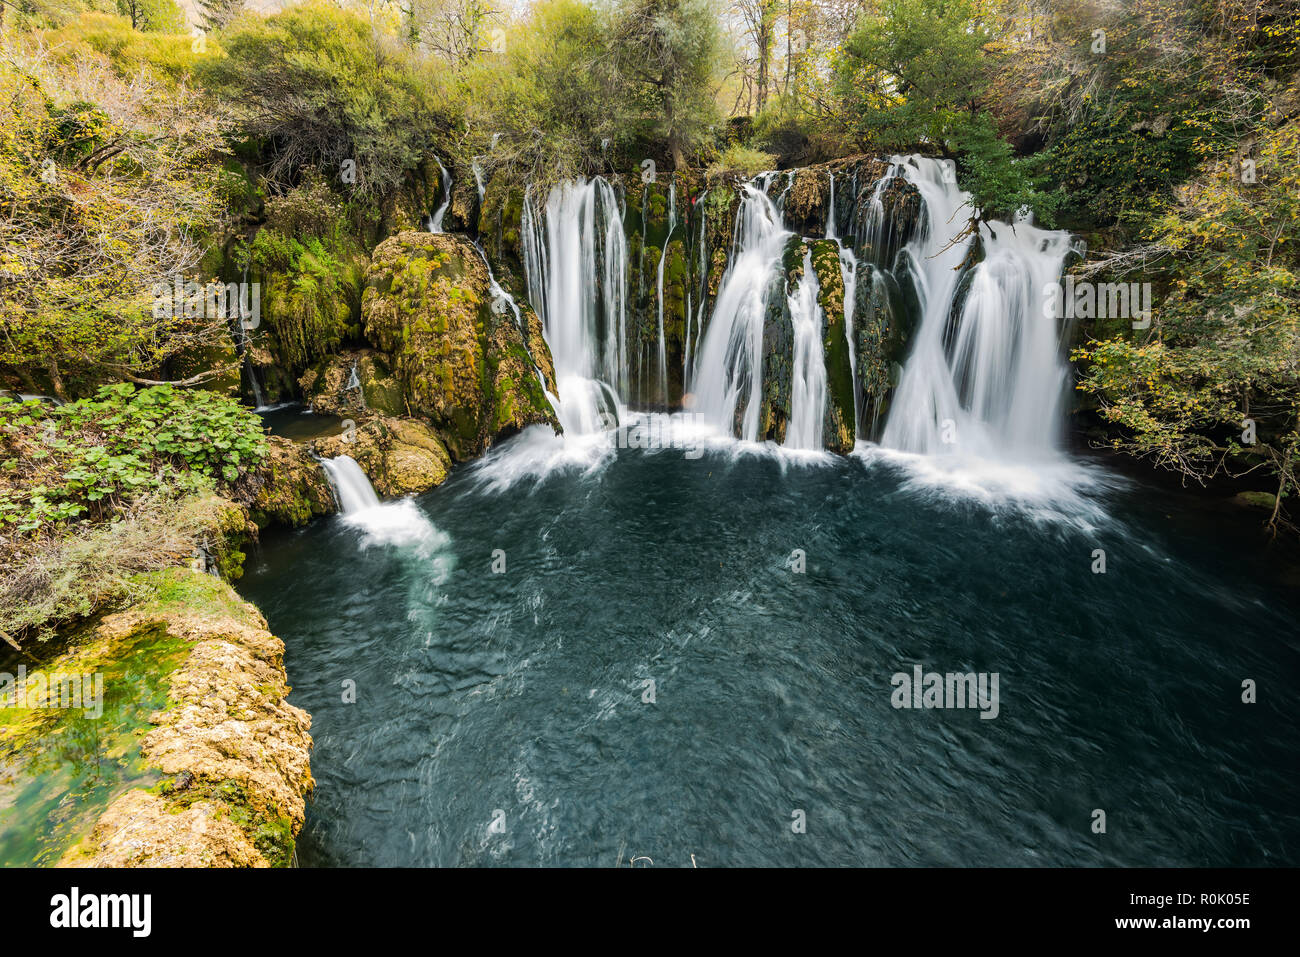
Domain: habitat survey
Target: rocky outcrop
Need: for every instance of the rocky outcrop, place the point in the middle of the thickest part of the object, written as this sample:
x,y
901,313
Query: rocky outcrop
x,y
354,384
839,425
232,754
462,365
288,487
399,456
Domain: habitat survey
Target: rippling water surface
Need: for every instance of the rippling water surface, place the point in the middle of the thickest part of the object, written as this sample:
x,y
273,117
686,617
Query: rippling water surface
x,y
501,718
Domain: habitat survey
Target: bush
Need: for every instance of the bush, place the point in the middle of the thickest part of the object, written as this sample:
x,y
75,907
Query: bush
x,y
742,161
50,582
91,459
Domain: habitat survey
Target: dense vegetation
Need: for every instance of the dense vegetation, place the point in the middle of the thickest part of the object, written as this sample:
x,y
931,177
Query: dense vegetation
x,y
137,152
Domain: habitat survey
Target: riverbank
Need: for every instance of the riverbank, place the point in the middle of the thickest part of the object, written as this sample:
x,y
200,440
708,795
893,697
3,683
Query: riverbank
x,y
186,753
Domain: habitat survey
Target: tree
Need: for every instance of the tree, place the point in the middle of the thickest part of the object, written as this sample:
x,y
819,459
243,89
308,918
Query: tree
x,y
667,54
157,16
324,89
108,188
217,14
915,76
759,18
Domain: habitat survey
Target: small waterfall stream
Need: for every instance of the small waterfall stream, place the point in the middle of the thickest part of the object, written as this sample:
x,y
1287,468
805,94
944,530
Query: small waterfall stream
x,y
351,487
808,382
729,367
397,523
659,290
435,221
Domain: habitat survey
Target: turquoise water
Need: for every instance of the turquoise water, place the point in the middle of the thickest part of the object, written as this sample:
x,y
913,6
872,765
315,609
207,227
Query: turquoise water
x,y
503,718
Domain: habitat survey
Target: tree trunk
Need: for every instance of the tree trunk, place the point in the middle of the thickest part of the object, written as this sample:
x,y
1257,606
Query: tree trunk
x,y
56,381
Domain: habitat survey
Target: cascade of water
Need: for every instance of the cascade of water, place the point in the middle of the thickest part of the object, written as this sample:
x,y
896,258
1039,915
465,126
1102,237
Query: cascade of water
x,y
575,258
729,365
874,232
502,299
478,181
435,221
398,523
259,400
986,377
808,375
701,295
351,487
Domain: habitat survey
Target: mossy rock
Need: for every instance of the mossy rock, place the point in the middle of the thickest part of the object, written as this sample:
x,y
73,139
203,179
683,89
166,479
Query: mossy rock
x,y
839,427
197,759
329,388
1251,499
289,487
399,456
807,200
778,346
462,366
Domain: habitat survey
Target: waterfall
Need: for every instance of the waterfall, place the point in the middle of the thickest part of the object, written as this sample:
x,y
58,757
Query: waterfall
x,y
351,486
478,182
435,221
729,365
986,376
399,523
808,378
874,232
259,400
688,370
575,259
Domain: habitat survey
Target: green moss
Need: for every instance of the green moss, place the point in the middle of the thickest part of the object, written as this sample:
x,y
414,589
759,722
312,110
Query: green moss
x,y
840,419
64,767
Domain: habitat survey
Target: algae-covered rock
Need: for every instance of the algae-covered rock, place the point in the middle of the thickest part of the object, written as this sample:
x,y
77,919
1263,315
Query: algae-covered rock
x,y
184,752
839,426
778,346
1254,499
399,456
500,224
289,487
462,365
806,201
884,322
353,384
225,530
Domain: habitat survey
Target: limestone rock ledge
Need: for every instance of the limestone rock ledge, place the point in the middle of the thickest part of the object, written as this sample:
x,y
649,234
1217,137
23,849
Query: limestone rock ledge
x,y
399,456
234,754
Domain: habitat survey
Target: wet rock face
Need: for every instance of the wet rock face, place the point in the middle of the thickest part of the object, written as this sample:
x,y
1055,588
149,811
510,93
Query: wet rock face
x,y
289,487
235,755
839,424
353,384
399,456
462,365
